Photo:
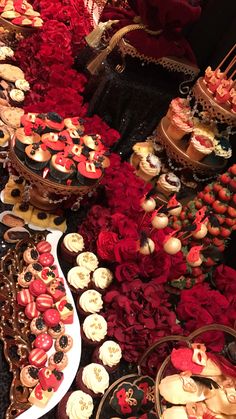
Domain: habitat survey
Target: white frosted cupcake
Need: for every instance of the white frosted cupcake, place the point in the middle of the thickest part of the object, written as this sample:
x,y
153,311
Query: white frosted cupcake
x,y
78,279
88,260
108,354
90,302
75,405
93,380
22,84
94,329
168,184
17,97
149,167
102,278
72,244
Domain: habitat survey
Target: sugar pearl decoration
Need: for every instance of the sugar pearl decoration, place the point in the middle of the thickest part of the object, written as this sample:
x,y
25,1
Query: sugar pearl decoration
x,y
148,247
172,246
148,205
201,233
160,221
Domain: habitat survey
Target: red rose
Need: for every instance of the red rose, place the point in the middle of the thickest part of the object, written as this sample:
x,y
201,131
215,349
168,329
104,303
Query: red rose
x,y
225,280
124,226
155,266
105,245
127,271
125,250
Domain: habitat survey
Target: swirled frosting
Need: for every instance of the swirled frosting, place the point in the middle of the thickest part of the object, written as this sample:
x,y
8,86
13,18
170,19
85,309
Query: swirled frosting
x,y
88,260
102,278
110,353
169,182
74,242
91,301
17,95
151,164
203,144
79,405
181,124
95,327
78,277
96,378
22,84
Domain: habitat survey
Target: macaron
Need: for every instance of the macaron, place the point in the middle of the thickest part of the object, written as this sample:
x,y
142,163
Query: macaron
x,y
24,297
31,310
43,247
43,341
44,301
46,259
37,287
51,317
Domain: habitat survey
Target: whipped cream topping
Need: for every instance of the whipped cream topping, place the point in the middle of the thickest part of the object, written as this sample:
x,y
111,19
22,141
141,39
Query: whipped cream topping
x,y
88,260
17,95
78,277
22,84
74,242
206,148
182,123
102,277
91,301
170,182
96,378
95,327
79,405
110,353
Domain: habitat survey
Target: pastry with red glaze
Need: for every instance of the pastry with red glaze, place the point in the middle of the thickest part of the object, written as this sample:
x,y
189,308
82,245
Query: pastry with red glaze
x,y
40,398
64,343
37,286
38,357
43,341
66,310
46,259
38,326
50,379
58,360
51,317
31,310
29,376
43,302
57,331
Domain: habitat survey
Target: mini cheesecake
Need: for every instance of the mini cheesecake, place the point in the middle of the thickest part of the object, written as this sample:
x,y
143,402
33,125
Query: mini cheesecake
x,y
88,173
61,167
22,140
37,156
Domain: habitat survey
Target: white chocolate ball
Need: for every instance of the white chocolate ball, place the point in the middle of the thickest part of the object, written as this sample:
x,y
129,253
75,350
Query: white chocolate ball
x,y
194,264
160,221
176,211
148,247
172,246
201,233
148,205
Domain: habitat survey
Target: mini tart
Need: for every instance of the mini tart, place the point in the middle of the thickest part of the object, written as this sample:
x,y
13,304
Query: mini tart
x,y
58,360
22,140
88,260
93,380
30,255
61,167
64,343
35,269
29,376
54,121
36,157
88,173
4,136
25,278
57,330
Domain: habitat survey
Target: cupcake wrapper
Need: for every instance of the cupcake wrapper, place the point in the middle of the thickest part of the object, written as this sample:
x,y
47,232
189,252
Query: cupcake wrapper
x,y
194,154
80,385
85,181
175,133
35,165
56,174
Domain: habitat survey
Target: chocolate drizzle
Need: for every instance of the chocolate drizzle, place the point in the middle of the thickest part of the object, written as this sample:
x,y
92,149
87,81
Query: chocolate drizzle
x,y
58,357
63,341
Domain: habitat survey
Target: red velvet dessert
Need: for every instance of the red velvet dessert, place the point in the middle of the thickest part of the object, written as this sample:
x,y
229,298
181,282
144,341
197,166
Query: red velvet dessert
x,y
54,121
88,173
61,167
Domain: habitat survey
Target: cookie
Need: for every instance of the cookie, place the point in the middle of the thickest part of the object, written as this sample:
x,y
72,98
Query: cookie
x,y
11,220
127,399
12,116
147,385
11,72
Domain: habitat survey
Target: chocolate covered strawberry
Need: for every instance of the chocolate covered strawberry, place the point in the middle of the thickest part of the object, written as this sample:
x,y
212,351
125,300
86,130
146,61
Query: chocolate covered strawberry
x,y
219,207
225,232
232,170
217,187
209,198
225,178
224,195
231,211
232,184
198,203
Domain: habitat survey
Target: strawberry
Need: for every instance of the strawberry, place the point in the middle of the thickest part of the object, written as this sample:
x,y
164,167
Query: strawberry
x,y
233,200
213,230
225,232
217,187
220,218
221,248
217,242
177,225
200,195
225,178
209,198
232,170
208,188
230,221
231,211
219,207
209,262
182,215
232,185
224,194
198,203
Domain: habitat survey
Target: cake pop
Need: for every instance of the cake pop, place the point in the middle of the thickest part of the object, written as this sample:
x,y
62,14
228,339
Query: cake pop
x,y
159,220
201,231
193,257
175,205
172,245
147,246
148,204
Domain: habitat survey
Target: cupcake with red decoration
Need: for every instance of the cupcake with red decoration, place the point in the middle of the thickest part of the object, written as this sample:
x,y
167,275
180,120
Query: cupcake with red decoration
x,y
24,138
75,123
52,141
177,106
54,121
199,147
108,354
222,94
61,167
76,405
88,173
37,156
93,142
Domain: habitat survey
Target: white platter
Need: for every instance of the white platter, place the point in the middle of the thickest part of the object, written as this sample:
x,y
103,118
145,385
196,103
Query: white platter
x,y
74,354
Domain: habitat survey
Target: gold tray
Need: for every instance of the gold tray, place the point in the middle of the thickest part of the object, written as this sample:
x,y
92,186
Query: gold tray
x,y
210,164
216,110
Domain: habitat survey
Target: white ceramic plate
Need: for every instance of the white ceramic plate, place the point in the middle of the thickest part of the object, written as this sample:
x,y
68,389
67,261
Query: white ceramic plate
x,y
74,354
